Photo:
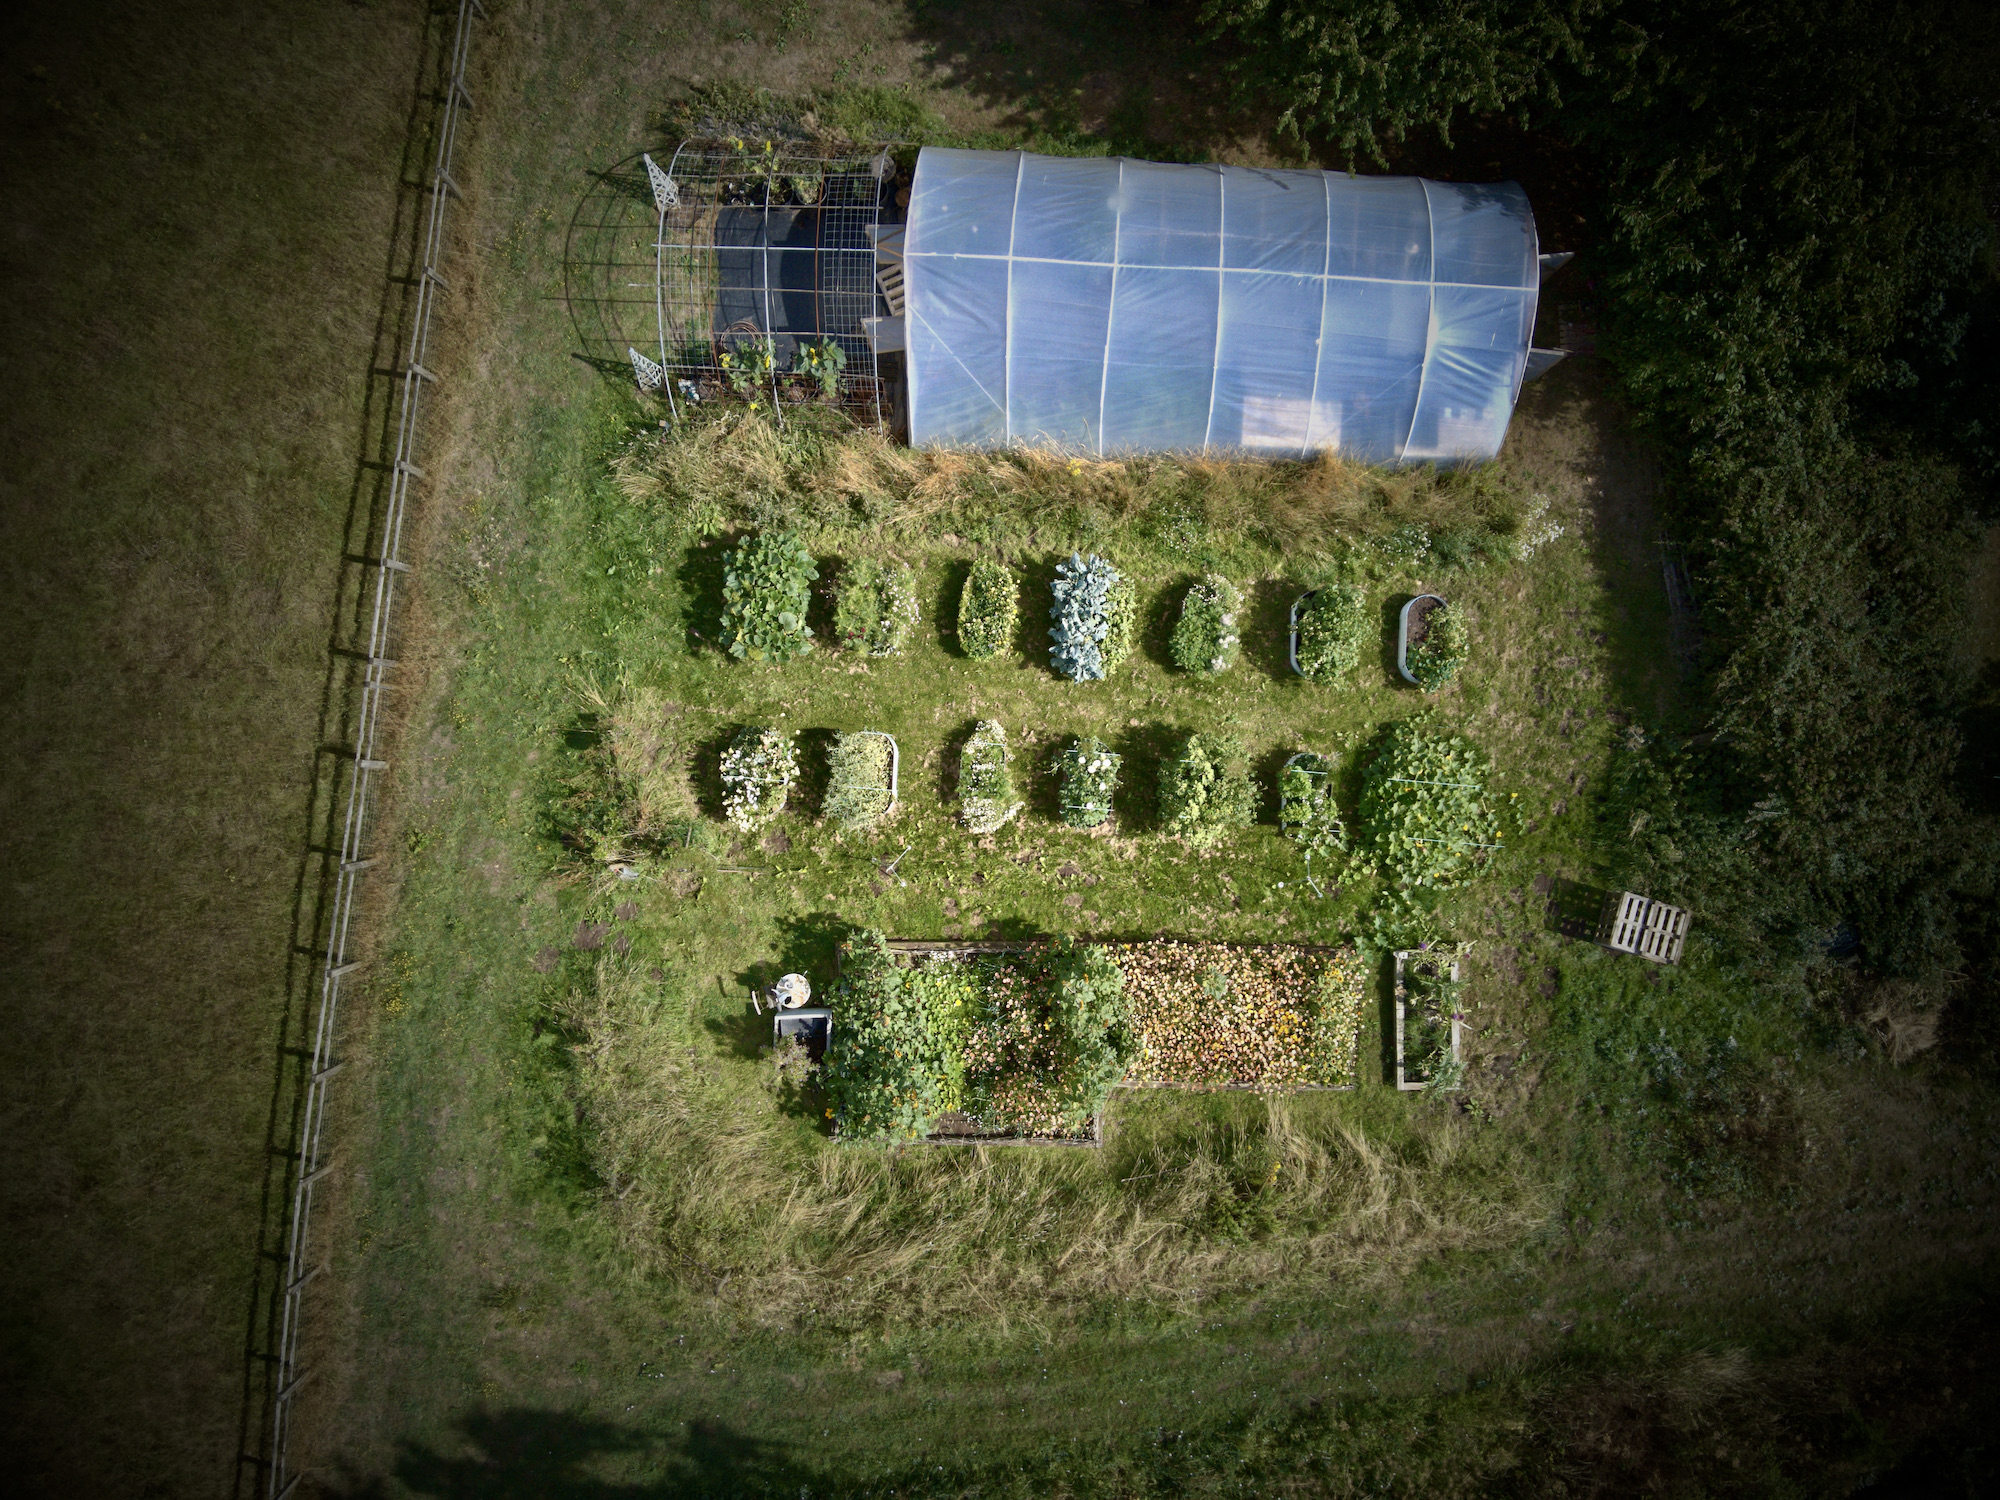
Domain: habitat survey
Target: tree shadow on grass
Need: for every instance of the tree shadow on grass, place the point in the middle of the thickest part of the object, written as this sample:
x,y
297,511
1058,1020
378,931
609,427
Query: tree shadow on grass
x,y
1264,772
1267,627
1136,802
1031,625
949,606
547,1455
700,579
1392,611
1156,623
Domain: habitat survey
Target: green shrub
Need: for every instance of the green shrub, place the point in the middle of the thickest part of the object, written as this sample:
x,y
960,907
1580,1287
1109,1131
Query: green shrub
x,y
875,606
1205,639
1435,659
1425,817
985,782
766,586
1333,627
987,608
884,1061
1089,772
1308,814
1205,790
857,790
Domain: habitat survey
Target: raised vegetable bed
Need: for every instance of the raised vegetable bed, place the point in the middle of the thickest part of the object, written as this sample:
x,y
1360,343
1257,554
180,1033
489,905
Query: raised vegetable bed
x,y
863,783
999,1043
1329,627
1429,1028
1430,642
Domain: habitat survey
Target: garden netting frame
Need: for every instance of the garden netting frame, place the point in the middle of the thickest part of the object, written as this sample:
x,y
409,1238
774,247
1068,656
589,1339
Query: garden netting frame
x,y
710,247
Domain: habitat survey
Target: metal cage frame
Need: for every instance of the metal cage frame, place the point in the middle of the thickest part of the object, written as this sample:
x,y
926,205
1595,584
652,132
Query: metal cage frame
x,y
702,273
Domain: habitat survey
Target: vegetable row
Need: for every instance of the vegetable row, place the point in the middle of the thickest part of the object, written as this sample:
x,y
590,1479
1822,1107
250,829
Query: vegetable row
x,y
767,591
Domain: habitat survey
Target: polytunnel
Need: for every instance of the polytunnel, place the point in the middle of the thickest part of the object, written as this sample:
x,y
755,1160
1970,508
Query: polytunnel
x,y
1109,306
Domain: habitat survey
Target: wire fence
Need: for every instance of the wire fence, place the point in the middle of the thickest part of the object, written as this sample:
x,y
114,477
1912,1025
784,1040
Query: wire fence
x,y
310,1165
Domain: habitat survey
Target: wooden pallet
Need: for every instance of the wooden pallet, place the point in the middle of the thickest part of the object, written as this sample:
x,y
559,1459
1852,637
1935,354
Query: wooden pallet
x,y
1652,929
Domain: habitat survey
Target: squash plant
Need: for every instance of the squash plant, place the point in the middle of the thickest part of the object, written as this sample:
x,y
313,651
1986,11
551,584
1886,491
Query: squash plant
x,y
766,585
1205,790
821,363
1425,815
987,608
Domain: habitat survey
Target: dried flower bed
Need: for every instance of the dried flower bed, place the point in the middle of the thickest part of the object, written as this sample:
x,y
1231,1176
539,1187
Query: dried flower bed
x,y
1269,1016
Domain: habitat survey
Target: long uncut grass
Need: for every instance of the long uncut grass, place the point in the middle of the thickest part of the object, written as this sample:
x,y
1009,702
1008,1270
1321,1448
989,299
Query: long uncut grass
x,y
705,1187
741,468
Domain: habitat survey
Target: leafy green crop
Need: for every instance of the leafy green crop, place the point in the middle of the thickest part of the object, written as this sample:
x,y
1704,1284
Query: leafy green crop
x,y
1333,627
987,608
1425,817
884,1061
1307,812
1205,790
1435,659
1205,638
1094,613
766,587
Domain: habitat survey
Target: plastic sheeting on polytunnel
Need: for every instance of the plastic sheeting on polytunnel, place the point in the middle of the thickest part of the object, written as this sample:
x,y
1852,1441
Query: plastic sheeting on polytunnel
x,y
1112,306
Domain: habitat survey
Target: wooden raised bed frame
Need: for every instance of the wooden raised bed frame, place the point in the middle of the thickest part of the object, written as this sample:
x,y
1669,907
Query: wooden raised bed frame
x,y
1457,1026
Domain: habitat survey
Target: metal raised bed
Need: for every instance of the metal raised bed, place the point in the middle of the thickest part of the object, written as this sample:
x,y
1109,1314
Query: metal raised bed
x,y
1298,604
1403,636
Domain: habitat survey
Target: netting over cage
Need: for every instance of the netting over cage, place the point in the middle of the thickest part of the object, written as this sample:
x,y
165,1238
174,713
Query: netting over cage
x,y
1114,306
737,268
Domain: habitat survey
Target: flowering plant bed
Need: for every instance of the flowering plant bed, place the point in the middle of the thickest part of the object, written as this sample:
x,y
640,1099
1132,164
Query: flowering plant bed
x,y
1329,628
1431,643
1205,638
861,787
971,1042
758,769
1089,772
987,608
875,607
1229,1015
1093,616
986,797
1429,1026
